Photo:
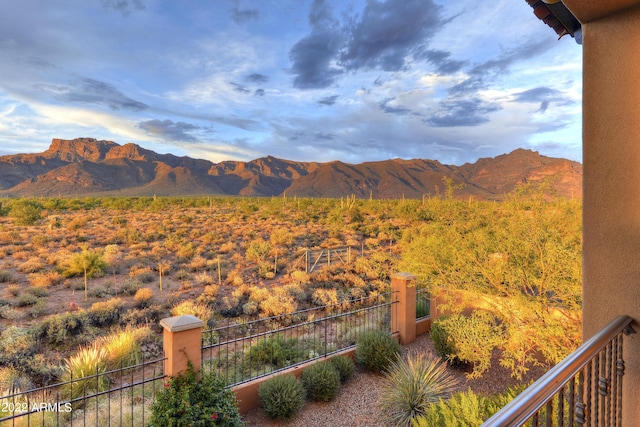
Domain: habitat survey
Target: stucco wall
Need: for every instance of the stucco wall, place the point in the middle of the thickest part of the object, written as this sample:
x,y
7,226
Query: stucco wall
x,y
611,199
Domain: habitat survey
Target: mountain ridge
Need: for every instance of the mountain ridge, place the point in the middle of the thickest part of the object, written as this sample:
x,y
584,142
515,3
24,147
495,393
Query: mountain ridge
x,y
86,166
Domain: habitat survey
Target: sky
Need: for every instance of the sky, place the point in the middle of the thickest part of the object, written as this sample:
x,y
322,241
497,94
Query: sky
x,y
303,80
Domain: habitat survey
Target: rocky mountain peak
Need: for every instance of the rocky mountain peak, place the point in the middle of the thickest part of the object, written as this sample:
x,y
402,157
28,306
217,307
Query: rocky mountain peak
x,y
73,150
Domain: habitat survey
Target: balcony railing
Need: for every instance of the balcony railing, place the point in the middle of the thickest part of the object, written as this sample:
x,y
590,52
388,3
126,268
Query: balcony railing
x,y
583,389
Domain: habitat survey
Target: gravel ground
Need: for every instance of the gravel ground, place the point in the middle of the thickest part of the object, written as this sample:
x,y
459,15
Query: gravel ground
x,y
356,405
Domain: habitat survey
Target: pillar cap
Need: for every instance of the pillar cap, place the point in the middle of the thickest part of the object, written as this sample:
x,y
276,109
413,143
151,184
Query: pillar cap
x,y
181,323
404,276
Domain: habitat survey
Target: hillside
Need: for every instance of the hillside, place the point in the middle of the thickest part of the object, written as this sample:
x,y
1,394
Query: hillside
x,y
85,166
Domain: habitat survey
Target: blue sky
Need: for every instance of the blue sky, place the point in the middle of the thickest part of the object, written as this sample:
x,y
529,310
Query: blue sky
x,y
316,80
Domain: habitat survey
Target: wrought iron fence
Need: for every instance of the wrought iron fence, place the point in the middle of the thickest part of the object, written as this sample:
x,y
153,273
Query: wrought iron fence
x,y
583,389
116,397
241,352
422,304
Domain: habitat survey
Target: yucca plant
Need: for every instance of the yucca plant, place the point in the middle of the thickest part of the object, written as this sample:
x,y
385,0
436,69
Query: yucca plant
x,y
411,385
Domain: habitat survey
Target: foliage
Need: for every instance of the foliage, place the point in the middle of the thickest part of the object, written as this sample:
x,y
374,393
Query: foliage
x,y
187,401
26,211
321,381
282,396
89,263
522,258
467,339
411,385
143,297
87,362
377,350
275,351
201,311
106,313
344,365
465,409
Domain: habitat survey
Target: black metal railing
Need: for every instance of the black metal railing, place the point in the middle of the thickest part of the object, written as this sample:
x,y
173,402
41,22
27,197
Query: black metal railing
x,y
583,389
423,304
116,397
241,352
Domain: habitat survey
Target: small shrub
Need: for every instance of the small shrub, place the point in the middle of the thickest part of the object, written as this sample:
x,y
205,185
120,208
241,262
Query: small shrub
x,y
25,211
201,311
106,313
14,290
467,340
186,401
344,365
130,287
122,348
411,386
282,396
26,299
38,309
143,297
32,265
274,351
45,279
59,328
377,350
208,295
321,381
5,276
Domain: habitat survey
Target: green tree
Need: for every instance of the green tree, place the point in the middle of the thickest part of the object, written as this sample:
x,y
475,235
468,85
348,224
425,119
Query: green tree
x,y
522,258
25,211
90,263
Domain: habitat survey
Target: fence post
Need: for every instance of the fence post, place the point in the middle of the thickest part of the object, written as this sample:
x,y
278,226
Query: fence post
x,y
404,291
182,342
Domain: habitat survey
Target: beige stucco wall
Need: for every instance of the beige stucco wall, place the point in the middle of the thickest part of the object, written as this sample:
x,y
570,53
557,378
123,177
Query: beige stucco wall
x,y
611,199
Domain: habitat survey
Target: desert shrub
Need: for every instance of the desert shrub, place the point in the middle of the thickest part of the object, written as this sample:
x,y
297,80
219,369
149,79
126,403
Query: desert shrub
x,y
25,211
321,381
344,365
467,340
465,409
5,276
258,250
322,297
282,396
208,295
275,351
201,311
39,240
45,279
376,350
130,287
16,344
106,313
143,297
142,274
26,299
58,328
32,265
123,347
410,386
36,291
38,309
10,313
278,303
186,401
100,292
12,379
14,290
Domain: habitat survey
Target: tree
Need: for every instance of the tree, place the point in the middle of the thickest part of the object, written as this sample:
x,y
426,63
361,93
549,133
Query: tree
x,y
25,211
522,258
90,263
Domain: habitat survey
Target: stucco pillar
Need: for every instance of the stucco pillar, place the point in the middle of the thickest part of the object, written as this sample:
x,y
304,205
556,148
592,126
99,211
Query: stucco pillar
x,y
611,186
403,318
182,342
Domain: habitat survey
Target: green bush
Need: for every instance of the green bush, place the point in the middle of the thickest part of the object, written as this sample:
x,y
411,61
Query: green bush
x,y
282,396
344,365
58,328
376,350
106,313
321,381
465,409
411,385
467,339
275,351
25,211
185,401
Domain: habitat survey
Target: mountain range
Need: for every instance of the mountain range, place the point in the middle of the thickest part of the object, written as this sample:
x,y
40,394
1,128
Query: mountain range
x,y
86,166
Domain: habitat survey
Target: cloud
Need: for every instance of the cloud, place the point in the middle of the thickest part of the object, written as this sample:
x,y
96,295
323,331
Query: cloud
x,y
387,106
239,88
468,112
544,95
123,6
257,78
313,56
89,91
170,130
389,33
442,61
329,100
243,15
258,92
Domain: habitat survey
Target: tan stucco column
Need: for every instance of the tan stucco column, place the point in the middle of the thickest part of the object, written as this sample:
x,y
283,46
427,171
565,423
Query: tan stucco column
x,y
182,342
403,317
611,188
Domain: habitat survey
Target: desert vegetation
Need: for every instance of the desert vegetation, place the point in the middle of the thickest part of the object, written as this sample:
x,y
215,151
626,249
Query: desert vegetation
x,y
75,273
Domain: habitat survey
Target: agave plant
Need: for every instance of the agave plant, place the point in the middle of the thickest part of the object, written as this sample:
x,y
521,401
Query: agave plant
x,y
411,385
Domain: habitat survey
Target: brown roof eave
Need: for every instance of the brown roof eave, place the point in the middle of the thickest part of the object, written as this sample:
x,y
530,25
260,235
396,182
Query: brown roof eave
x,y
557,16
